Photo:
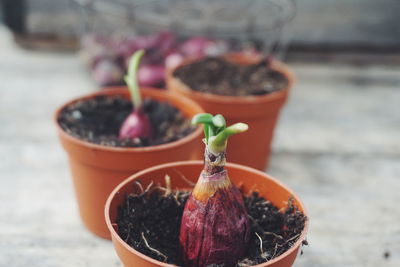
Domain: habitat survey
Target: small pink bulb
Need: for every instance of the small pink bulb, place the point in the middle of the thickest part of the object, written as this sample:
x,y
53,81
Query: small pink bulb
x,y
151,75
194,47
137,124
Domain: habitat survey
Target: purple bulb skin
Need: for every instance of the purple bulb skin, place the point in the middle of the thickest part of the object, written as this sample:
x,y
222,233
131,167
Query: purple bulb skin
x,y
136,125
151,75
194,47
216,231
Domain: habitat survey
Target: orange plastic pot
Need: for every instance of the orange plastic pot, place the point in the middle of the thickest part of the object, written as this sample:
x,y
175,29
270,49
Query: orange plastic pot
x,y
97,169
261,113
249,178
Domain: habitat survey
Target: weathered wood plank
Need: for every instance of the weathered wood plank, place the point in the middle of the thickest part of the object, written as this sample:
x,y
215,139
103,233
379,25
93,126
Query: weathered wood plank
x,y
337,146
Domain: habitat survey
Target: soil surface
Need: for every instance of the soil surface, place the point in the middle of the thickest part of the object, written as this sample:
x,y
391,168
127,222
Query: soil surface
x,y
150,223
99,119
218,76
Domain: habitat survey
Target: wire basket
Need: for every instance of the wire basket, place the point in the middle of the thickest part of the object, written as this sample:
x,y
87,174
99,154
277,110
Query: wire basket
x,y
262,22
170,30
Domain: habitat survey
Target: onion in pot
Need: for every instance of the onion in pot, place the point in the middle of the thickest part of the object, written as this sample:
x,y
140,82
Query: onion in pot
x,y
137,124
215,228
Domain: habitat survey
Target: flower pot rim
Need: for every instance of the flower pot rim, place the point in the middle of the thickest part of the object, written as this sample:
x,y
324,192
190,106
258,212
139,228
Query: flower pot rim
x,y
269,97
135,176
121,90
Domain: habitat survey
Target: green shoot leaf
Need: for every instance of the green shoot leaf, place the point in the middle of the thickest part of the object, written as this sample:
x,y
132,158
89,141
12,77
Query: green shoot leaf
x,y
202,118
132,80
217,144
219,122
206,119
215,129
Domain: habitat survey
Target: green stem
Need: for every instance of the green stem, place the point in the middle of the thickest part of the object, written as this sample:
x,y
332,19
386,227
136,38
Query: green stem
x,y
217,144
131,79
206,132
211,131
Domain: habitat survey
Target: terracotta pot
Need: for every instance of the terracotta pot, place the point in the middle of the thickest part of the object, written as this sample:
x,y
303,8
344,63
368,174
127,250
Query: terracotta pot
x,y
250,178
97,169
261,113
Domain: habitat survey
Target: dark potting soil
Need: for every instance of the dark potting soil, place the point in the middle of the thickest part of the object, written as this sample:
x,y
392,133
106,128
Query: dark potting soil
x,y
218,76
99,119
150,223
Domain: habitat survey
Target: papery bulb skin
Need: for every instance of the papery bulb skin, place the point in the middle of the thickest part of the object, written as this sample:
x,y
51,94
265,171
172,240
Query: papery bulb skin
x,y
151,75
215,228
137,124
194,47
107,72
173,59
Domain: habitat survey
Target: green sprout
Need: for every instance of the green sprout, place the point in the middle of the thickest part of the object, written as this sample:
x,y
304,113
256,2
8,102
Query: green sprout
x,y
132,80
215,131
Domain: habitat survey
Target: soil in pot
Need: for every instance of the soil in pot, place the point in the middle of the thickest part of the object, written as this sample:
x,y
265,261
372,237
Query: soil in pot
x,y
98,120
218,76
150,222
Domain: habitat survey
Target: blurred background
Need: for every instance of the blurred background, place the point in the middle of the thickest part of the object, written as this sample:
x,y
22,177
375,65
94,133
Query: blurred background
x,y
337,143
346,25
108,32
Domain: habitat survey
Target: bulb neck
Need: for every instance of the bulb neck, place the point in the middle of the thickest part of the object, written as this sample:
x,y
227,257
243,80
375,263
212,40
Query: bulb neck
x,y
214,177
213,163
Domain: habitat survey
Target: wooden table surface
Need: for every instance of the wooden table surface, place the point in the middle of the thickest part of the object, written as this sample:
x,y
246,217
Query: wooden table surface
x,y
337,145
